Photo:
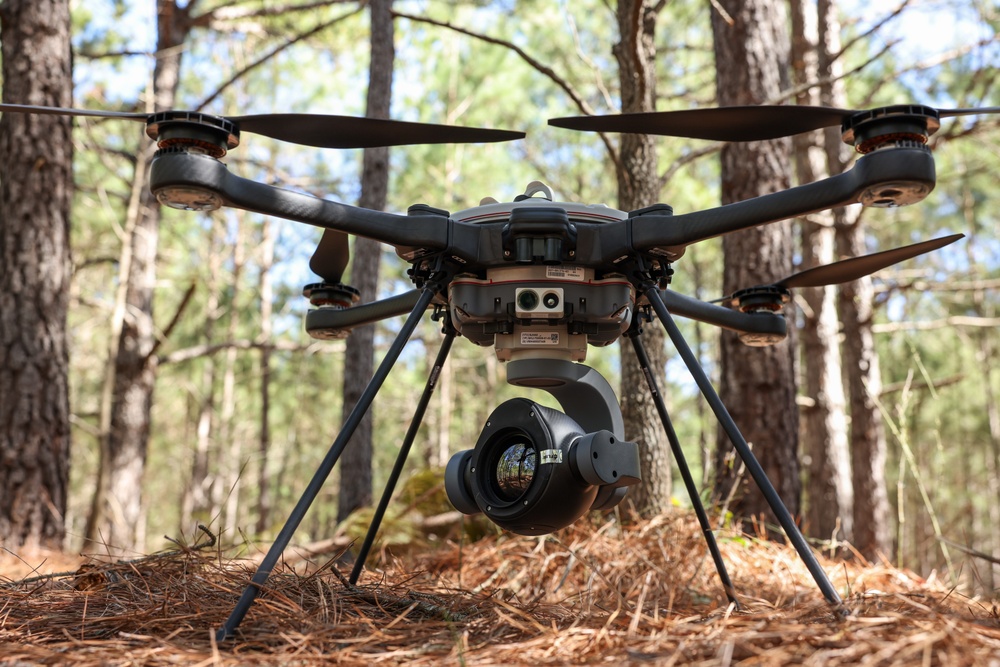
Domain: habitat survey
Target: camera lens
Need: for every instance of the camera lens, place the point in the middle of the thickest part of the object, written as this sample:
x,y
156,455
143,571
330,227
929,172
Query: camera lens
x,y
550,300
515,468
527,300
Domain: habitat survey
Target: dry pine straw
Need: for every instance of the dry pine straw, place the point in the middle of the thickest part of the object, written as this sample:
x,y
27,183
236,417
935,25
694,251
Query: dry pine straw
x,y
592,594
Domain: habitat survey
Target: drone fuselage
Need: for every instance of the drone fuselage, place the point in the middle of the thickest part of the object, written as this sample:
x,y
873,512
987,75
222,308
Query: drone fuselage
x,y
480,260
541,311
540,281
541,305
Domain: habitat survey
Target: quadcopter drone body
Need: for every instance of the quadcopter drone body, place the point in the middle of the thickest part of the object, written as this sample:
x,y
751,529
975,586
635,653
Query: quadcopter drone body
x,y
540,281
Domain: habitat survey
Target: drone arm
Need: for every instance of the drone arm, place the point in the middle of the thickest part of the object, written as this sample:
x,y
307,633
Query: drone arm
x,y
884,171
727,318
329,319
205,174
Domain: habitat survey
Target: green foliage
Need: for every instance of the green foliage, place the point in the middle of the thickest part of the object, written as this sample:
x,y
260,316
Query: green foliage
x,y
445,76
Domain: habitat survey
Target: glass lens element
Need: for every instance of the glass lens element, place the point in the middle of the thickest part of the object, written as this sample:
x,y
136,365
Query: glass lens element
x,y
515,470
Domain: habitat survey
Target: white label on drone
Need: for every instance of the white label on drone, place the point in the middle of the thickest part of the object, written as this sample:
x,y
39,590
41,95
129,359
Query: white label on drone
x,y
550,456
565,272
539,338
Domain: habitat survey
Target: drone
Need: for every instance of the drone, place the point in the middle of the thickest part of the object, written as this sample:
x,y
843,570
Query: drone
x,y
540,281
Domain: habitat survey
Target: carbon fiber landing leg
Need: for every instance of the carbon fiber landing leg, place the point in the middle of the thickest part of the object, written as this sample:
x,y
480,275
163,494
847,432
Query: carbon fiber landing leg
x,y
325,468
404,451
682,466
743,449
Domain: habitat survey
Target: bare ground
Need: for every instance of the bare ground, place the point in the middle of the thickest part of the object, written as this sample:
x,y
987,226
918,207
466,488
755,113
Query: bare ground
x,y
592,594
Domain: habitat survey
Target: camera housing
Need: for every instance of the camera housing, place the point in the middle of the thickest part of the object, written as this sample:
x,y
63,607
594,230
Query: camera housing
x,y
535,469
541,311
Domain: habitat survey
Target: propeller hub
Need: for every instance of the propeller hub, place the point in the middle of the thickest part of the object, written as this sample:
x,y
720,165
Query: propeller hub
x,y
902,125
762,301
326,297
763,298
193,132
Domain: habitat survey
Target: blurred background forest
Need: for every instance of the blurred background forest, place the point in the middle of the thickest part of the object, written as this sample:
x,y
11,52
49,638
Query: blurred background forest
x,y
245,404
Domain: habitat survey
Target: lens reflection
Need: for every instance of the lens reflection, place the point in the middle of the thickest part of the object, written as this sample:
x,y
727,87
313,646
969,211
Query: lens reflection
x,y
515,470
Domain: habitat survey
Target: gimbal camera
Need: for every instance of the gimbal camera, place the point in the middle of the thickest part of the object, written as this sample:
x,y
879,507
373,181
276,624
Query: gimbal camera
x,y
540,281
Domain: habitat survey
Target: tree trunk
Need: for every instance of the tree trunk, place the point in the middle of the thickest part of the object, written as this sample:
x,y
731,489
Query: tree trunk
x,y
984,573
638,187
35,195
264,447
872,532
757,385
201,499
830,498
356,462
231,463
115,517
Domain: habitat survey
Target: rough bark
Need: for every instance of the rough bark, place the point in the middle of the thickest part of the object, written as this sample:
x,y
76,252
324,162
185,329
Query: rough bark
x,y
35,193
231,463
265,285
638,187
356,462
757,385
115,519
829,502
872,531
201,498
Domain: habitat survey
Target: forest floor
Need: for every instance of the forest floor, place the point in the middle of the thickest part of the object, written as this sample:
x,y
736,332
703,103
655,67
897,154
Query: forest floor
x,y
592,594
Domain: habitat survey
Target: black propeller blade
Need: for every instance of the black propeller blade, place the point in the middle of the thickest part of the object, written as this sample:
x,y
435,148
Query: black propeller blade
x,y
771,297
853,268
61,111
351,132
321,131
737,123
331,256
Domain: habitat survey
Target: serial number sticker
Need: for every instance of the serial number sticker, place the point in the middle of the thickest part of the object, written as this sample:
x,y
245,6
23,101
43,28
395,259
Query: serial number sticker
x,y
565,272
551,456
539,338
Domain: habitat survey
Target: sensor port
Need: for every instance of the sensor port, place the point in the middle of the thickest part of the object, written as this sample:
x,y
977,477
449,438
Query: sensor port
x,y
527,299
540,302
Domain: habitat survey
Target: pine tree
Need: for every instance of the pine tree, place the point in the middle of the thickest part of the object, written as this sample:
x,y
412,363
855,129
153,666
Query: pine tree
x,y
35,194
757,385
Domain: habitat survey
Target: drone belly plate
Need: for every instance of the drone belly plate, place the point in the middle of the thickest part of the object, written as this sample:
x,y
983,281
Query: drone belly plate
x,y
538,303
541,311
